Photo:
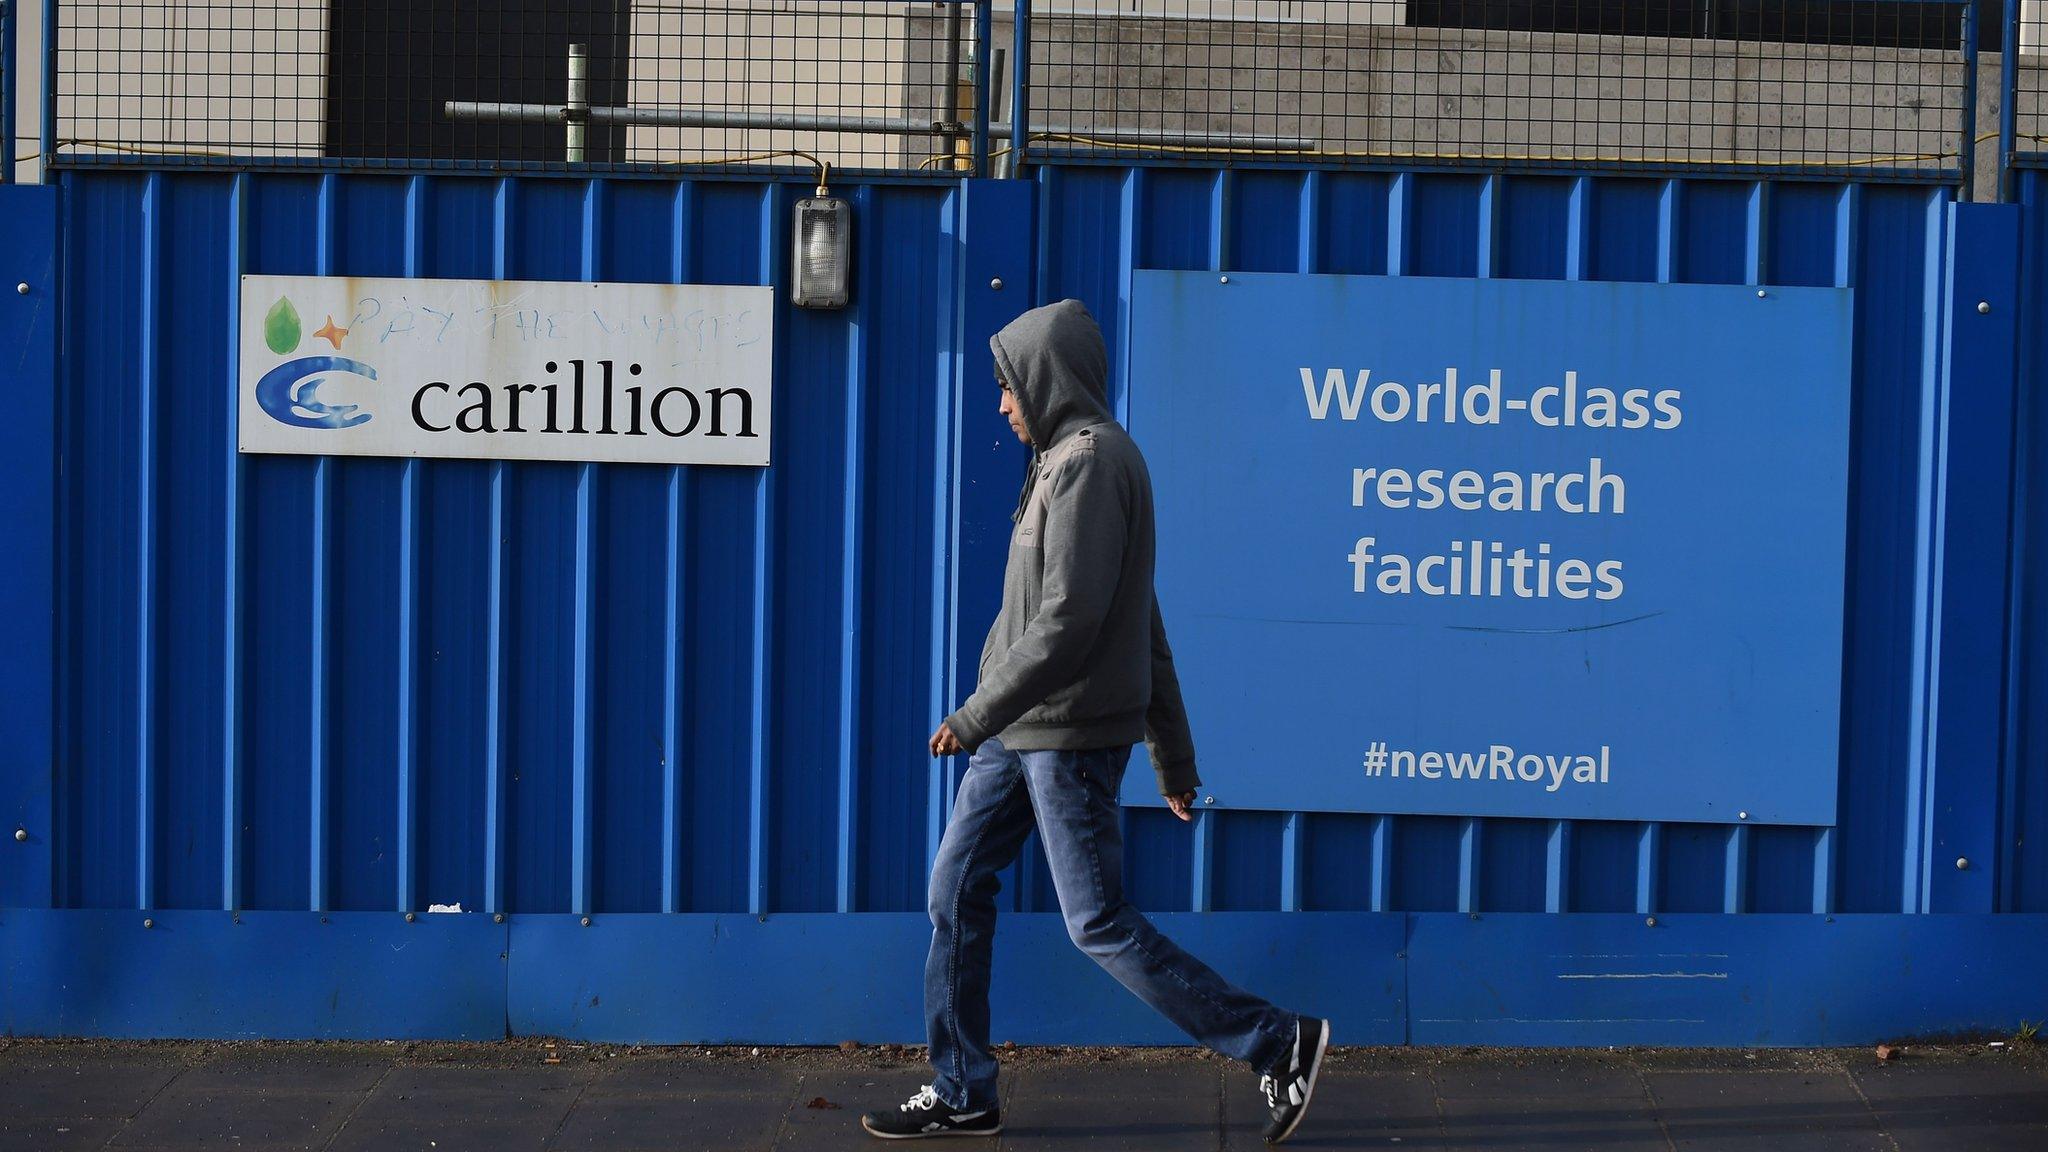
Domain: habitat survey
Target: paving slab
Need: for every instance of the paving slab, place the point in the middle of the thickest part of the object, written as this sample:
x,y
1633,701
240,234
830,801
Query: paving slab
x,y
1512,1079
1493,1126
730,1121
294,1069
1351,1109
75,1085
57,1134
455,1109
1958,1107
1563,1104
1112,1107
1811,1111
657,1106
1549,1102
684,1075
210,1115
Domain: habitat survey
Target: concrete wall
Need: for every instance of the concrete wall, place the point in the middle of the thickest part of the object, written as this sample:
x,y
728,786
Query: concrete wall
x,y
1396,92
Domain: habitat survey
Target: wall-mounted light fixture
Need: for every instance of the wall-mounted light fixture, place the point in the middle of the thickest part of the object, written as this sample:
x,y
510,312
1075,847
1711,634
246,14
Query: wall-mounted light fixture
x,y
822,252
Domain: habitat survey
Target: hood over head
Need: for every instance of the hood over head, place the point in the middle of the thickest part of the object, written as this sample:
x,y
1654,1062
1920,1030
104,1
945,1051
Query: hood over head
x,y
1054,362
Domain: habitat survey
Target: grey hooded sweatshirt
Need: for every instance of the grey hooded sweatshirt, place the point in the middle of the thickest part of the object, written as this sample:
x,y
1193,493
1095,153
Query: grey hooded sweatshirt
x,y
1077,657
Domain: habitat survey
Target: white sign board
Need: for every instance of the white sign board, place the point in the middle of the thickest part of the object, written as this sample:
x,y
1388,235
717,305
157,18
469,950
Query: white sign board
x,y
506,369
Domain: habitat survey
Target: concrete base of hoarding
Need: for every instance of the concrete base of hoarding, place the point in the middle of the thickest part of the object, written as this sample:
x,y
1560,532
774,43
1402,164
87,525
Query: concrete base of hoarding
x,y
822,978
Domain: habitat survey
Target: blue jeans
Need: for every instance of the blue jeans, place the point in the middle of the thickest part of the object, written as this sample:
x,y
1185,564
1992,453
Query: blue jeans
x,y
1071,796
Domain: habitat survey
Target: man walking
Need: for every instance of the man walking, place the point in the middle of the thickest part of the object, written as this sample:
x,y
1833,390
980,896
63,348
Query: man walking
x,y
1075,671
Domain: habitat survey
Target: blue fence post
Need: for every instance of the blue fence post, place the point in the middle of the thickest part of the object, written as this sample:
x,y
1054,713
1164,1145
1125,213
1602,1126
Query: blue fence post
x,y
9,81
2026,628
49,86
28,445
1967,150
1020,85
998,247
2008,99
984,40
1972,533
990,228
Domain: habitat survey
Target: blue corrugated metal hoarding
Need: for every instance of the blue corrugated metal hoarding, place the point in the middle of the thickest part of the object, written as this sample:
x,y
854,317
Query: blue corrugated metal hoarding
x,y
659,730
2023,801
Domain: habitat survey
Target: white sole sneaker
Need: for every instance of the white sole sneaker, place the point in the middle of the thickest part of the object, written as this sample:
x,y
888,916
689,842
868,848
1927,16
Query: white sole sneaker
x,y
943,1132
1308,1092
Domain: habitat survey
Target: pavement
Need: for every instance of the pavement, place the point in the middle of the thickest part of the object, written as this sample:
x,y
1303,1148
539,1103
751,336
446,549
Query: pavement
x,y
526,1094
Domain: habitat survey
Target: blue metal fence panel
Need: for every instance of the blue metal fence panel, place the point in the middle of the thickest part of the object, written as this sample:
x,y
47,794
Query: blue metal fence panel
x,y
1883,240
252,975
531,687
1970,514
556,690
28,522
2023,796
1714,979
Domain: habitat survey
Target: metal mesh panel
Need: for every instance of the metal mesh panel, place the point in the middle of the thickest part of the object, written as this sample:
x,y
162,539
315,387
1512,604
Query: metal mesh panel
x,y
2030,82
1755,83
517,84
155,78
890,84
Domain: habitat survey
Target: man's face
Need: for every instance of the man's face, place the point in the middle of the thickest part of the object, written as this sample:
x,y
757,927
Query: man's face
x,y
1013,413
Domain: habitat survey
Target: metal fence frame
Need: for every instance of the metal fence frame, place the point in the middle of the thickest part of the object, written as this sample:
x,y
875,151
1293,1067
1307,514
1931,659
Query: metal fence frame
x,y
2012,84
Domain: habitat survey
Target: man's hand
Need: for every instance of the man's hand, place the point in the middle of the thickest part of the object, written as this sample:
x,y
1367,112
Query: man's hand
x,y
1183,805
944,743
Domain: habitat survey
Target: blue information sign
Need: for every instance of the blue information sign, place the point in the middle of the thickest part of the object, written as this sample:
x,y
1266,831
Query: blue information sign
x,y
1501,548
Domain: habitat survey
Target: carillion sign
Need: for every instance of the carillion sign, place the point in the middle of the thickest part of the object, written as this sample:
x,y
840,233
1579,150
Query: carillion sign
x,y
506,369
1501,548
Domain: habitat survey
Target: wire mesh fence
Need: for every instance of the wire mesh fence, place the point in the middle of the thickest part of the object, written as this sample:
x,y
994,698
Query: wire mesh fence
x,y
604,83
1770,83
896,85
2030,81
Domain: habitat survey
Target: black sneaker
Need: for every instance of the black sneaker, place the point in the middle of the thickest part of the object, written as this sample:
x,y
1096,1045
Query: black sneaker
x,y
926,1115
1290,1085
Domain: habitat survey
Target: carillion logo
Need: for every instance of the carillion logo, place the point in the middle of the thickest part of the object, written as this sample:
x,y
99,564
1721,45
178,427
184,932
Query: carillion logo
x,y
478,408
599,397
290,392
